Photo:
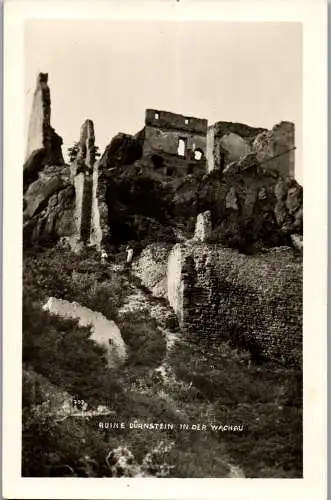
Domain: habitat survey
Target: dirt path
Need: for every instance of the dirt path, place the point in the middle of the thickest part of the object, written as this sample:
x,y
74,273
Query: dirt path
x,y
140,301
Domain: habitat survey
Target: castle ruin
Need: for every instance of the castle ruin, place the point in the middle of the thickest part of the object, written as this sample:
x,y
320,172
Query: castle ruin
x,y
172,147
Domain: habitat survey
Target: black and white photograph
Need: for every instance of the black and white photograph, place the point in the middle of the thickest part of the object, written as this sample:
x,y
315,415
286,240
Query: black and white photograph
x,y
162,249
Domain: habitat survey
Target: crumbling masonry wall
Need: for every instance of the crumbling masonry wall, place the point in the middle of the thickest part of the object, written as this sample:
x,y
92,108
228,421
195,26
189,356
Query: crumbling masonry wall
x,y
180,140
253,302
229,142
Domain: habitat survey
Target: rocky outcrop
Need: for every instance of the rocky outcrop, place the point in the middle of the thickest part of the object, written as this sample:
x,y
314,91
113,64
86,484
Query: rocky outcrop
x,y
51,180
124,149
85,158
49,210
142,202
250,200
251,205
43,144
103,331
49,198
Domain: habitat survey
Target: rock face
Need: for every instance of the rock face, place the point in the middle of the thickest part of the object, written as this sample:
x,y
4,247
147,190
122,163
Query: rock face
x,y
252,206
103,331
81,173
49,198
124,149
143,189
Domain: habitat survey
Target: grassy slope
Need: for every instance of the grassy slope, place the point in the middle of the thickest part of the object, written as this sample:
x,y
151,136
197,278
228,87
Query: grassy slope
x,y
266,399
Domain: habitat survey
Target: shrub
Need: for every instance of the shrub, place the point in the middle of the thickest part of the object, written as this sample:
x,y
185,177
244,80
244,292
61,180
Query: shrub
x,y
145,340
63,352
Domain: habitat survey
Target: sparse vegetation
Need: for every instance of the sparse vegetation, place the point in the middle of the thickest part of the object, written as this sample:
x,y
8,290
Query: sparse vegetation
x,y
215,384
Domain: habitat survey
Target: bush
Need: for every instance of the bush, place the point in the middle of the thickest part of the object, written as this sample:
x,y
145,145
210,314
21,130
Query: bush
x,y
145,340
64,275
65,354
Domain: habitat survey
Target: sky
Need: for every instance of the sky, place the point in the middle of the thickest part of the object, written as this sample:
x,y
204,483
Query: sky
x,y
112,71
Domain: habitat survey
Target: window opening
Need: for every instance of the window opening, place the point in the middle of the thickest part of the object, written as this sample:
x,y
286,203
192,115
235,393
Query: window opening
x,y
181,147
197,154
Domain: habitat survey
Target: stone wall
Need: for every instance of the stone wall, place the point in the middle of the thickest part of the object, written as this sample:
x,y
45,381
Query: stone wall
x,y
254,302
152,266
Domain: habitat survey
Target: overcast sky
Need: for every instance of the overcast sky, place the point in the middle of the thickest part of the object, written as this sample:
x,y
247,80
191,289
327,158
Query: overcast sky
x,y
111,71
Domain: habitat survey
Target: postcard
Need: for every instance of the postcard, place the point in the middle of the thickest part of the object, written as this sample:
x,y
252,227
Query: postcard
x,y
164,249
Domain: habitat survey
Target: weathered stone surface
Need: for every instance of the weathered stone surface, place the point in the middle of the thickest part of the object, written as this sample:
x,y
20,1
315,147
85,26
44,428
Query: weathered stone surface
x,y
297,241
38,194
275,148
251,205
85,158
124,149
48,194
180,141
100,231
228,142
83,206
231,200
255,302
203,226
56,220
151,268
103,331
245,162
41,135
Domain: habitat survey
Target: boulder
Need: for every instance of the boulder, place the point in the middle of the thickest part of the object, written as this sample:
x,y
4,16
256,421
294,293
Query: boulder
x,y
124,149
103,331
38,194
54,221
